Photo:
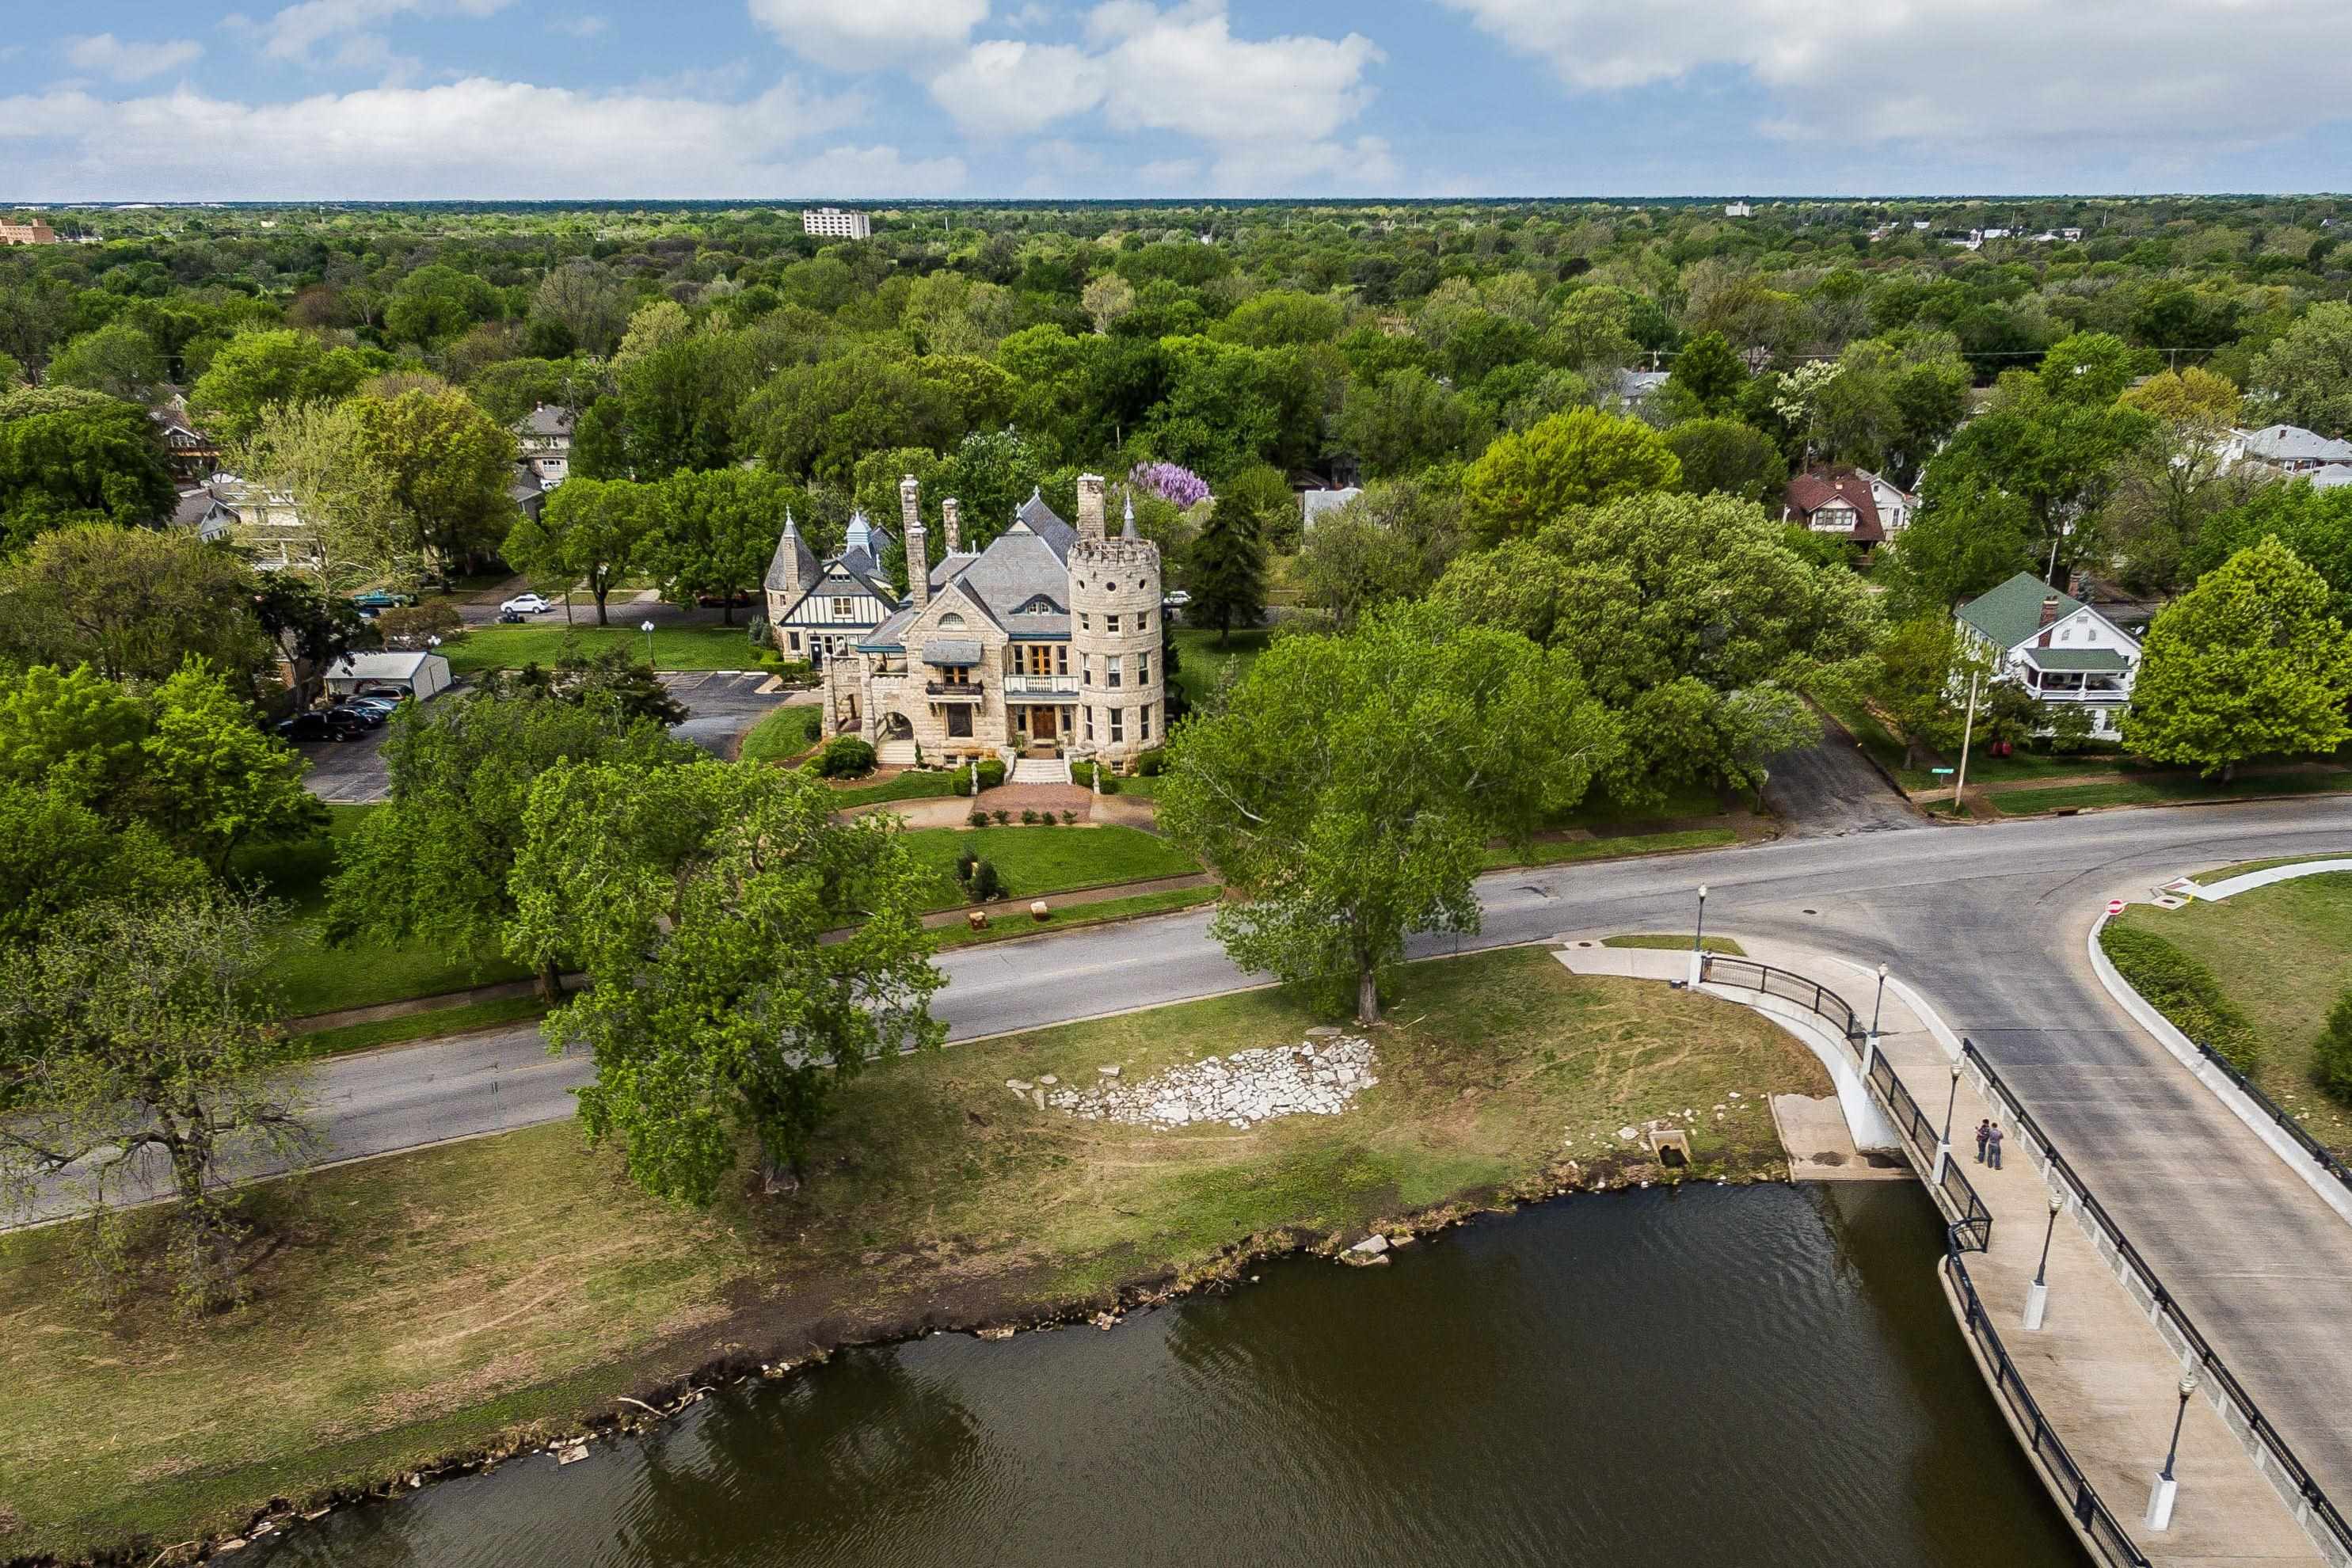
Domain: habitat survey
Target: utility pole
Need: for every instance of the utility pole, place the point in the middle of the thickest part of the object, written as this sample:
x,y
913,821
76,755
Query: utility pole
x,y
1967,733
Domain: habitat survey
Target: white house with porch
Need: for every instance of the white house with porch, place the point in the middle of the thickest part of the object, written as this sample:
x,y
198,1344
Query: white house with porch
x,y
2055,645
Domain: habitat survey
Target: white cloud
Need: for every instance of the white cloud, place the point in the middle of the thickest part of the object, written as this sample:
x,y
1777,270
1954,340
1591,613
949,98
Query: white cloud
x,y
135,61
474,138
1981,73
866,34
295,30
1006,87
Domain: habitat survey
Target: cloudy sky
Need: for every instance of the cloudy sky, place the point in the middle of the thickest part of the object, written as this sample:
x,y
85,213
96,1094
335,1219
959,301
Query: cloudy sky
x,y
146,99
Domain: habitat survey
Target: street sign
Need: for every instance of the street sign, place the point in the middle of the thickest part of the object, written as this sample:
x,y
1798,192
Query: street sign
x,y
2114,905
1940,770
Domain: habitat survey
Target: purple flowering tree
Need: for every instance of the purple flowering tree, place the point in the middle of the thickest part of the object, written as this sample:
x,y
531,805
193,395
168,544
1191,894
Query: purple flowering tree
x,y
1171,482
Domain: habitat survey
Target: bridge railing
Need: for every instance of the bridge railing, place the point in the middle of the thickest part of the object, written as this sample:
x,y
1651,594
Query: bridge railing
x,y
2273,1454
1751,976
2074,1489
2320,1153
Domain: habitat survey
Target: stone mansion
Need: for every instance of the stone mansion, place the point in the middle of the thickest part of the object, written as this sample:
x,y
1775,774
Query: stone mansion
x,y
1049,642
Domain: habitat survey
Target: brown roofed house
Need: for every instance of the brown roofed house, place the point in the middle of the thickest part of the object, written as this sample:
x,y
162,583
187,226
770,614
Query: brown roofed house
x,y
1849,503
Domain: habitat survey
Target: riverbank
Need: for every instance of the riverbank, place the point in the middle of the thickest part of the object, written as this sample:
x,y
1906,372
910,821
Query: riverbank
x,y
469,1299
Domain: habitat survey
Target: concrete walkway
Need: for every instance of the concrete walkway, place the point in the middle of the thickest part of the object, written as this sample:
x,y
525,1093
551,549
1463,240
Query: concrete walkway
x,y
2103,1373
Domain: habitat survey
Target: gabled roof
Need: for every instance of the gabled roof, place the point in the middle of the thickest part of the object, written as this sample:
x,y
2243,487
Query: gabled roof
x,y
548,419
2293,444
2330,476
1046,523
2083,660
1814,488
2011,614
1017,567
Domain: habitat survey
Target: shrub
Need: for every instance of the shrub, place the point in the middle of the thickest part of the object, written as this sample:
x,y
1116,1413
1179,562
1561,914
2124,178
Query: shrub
x,y
1150,765
1086,773
978,819
755,631
2070,728
1002,816
991,772
1068,817
2333,1056
2184,991
986,885
846,757
1028,817
965,862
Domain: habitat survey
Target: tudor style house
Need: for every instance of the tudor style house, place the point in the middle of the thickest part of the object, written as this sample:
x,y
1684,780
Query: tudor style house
x,y
819,611
2055,645
1853,504
1047,643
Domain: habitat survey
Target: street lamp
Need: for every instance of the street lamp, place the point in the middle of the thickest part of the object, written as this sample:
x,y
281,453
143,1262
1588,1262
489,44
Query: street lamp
x,y
2037,1295
2159,1497
647,627
1698,938
1944,1145
1870,1041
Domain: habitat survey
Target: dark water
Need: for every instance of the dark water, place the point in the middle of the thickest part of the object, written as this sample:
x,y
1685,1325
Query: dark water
x,y
1757,1376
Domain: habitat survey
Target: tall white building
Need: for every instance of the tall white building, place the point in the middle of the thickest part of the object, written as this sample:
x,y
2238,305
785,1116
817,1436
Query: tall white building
x,y
834,223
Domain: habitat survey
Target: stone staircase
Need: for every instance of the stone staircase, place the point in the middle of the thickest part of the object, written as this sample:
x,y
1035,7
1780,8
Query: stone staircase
x,y
1039,771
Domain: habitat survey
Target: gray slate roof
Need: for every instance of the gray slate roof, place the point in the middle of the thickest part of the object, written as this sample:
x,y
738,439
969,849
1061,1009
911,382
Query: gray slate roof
x,y
2293,444
2329,478
547,420
2012,613
1046,523
789,545
952,652
1314,503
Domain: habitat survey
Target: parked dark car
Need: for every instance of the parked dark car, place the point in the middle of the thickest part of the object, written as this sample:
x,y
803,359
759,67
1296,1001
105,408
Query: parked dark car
x,y
323,724
367,713
382,599
721,601
509,617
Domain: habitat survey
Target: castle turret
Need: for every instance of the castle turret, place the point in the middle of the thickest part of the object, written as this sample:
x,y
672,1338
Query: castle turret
x,y
918,557
1116,635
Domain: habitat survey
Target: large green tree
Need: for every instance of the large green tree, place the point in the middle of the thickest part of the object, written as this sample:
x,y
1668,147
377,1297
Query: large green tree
x,y
748,954
2061,458
1724,456
2247,664
716,532
1390,542
143,1037
1225,572
1346,793
435,860
1524,481
2316,523
134,603
118,360
591,531
70,457
448,466
257,370
2306,377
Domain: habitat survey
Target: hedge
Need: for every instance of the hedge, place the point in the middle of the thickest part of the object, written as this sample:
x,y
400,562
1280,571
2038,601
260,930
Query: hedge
x,y
2184,991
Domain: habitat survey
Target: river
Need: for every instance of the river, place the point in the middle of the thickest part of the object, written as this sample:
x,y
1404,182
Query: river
x,y
1755,1376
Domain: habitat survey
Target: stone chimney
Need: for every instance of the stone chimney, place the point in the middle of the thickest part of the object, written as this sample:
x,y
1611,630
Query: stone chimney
x,y
919,555
1090,506
2048,608
949,513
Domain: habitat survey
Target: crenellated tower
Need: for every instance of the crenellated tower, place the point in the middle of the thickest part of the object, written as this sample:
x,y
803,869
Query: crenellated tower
x,y
1116,633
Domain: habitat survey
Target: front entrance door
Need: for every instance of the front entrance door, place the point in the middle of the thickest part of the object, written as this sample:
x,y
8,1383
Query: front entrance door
x,y
1041,723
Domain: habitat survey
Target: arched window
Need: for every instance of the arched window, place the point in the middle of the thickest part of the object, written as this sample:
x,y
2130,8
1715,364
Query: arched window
x,y
951,621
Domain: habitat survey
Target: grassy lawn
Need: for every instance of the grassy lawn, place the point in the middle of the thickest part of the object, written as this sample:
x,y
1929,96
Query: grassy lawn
x,y
428,1025
1673,941
1010,925
2021,766
1035,860
2283,955
2242,868
423,1304
1560,851
915,784
2164,787
675,647
314,978
1866,728
1200,657
784,734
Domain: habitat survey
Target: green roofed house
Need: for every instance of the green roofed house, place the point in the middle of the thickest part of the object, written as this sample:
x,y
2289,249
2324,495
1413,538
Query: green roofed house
x,y
2055,645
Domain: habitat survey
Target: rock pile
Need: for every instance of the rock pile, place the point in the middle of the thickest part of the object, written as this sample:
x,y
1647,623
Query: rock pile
x,y
1316,1078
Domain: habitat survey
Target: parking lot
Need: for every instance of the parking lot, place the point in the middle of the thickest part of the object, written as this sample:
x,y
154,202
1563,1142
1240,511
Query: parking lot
x,y
722,707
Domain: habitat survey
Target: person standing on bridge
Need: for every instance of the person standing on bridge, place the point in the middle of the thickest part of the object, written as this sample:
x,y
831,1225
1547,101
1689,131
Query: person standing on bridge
x,y
1984,1135
1992,1147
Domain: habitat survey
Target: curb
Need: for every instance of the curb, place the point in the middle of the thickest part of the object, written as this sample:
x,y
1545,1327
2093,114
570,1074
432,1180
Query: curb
x,y
2162,1031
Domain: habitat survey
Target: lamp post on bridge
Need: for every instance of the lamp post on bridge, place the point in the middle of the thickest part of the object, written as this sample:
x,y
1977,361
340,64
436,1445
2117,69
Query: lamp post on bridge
x,y
2037,1295
1870,1041
2160,1497
1698,938
1944,1144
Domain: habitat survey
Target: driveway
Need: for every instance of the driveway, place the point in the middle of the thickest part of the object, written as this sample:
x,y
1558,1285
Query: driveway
x,y
1830,789
348,772
724,706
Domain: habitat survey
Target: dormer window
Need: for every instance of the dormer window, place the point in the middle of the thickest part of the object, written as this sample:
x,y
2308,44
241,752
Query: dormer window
x,y
1038,605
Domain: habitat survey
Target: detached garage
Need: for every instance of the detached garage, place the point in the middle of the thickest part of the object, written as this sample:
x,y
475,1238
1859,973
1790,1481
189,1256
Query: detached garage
x,y
417,675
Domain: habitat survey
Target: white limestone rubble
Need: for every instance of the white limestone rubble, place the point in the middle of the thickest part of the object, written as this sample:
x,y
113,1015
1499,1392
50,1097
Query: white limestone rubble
x,y
1317,1077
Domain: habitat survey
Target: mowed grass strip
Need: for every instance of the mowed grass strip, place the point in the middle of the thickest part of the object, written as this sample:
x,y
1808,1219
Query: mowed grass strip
x,y
1038,860
1014,923
674,647
784,734
2284,955
1562,851
416,1305
311,977
2155,791
1673,941
430,1025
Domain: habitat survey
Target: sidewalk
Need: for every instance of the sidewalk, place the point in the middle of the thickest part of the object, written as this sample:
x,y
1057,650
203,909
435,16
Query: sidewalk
x,y
2104,1374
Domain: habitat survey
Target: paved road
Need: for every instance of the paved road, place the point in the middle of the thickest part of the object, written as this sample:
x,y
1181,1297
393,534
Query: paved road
x,y
1828,789
1988,922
